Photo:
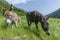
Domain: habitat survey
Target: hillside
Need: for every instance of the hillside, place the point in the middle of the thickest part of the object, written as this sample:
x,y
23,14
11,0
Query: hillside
x,y
6,5
55,14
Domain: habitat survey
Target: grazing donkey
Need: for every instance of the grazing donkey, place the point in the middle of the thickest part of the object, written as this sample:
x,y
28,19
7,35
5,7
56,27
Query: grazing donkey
x,y
36,17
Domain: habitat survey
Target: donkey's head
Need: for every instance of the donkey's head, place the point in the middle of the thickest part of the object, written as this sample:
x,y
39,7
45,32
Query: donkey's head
x,y
45,25
11,7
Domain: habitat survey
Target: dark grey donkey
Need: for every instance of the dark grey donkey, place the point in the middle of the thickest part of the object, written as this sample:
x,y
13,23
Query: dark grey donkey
x,y
35,16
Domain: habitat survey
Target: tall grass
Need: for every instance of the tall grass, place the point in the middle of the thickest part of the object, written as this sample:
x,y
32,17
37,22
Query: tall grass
x,y
21,32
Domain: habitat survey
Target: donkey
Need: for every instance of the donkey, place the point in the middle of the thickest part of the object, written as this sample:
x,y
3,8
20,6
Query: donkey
x,y
35,16
11,16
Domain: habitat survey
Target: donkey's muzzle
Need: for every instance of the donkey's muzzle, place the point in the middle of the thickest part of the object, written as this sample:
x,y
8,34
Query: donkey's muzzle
x,y
48,32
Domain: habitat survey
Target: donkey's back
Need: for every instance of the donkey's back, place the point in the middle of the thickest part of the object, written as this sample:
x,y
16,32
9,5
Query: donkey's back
x,y
34,16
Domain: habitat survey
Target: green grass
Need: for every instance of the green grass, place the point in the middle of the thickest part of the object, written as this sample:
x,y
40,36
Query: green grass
x,y
32,33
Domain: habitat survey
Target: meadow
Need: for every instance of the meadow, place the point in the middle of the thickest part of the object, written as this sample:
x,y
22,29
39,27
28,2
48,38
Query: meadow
x,y
21,32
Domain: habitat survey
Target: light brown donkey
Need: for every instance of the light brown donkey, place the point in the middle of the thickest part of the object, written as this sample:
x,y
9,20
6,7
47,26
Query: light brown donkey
x,y
11,16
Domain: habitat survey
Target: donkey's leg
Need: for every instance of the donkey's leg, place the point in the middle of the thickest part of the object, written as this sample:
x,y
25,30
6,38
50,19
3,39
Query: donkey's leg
x,y
28,21
16,24
19,20
28,24
12,26
36,23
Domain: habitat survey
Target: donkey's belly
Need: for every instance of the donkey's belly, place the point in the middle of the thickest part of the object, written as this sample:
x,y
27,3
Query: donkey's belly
x,y
8,21
34,19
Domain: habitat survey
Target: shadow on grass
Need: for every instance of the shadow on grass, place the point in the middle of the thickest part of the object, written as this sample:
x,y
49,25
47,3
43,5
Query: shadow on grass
x,y
4,26
35,32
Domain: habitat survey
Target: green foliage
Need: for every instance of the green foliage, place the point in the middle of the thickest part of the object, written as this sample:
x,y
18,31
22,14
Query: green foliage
x,y
6,5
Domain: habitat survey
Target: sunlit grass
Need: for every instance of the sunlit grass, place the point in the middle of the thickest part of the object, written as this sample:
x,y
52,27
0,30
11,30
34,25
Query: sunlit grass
x,y
32,33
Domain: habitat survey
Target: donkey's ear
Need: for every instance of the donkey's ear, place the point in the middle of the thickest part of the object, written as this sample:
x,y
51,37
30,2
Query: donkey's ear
x,y
47,17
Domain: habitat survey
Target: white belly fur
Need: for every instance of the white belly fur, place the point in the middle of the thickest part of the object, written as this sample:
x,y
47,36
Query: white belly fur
x,y
8,21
